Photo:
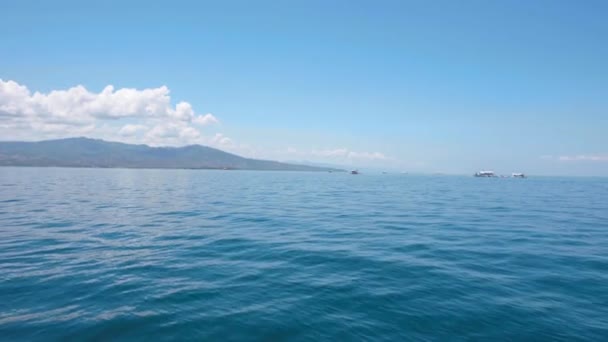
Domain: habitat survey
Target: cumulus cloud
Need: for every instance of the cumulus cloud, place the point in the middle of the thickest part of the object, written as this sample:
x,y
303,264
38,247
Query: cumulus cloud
x,y
205,120
221,140
130,130
124,113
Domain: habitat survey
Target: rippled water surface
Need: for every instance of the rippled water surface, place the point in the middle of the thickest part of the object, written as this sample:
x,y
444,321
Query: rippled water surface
x,y
109,254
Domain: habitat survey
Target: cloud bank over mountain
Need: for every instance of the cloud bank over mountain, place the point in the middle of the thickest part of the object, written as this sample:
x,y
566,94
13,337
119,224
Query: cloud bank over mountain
x,y
126,114
142,116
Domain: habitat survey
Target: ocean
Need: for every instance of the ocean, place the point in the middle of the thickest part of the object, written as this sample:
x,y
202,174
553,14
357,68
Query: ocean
x,y
140,255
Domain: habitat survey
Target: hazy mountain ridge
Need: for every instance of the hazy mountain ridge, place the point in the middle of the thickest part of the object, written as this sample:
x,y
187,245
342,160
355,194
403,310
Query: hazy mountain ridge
x,y
86,152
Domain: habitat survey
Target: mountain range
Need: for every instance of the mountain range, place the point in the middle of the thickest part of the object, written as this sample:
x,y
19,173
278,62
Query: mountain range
x,y
86,152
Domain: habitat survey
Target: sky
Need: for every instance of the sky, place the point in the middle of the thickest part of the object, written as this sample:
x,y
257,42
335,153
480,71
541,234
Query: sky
x,y
413,86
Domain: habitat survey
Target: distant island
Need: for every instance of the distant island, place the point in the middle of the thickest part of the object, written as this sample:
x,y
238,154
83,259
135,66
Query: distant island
x,y
95,153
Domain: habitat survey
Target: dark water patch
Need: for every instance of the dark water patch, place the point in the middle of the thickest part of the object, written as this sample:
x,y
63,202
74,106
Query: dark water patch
x,y
104,206
53,224
180,213
12,200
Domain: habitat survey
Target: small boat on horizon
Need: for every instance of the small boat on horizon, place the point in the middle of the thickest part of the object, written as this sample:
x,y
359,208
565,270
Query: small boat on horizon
x,y
485,174
354,172
518,175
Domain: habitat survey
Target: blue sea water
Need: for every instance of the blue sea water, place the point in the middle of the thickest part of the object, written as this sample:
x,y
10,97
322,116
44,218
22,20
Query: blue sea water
x,y
113,254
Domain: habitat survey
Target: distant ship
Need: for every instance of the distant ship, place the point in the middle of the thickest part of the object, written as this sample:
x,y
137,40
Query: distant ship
x,y
485,174
518,175
354,172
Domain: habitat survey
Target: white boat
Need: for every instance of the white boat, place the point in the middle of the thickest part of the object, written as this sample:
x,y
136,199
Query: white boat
x,y
485,174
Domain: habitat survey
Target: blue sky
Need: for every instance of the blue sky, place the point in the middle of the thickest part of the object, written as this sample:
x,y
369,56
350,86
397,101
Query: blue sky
x,y
419,86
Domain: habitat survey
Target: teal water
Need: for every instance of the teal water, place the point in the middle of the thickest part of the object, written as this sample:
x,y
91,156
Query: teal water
x,y
109,254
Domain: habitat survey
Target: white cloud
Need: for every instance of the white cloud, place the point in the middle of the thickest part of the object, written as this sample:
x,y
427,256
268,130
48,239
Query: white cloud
x,y
220,140
129,115
345,153
130,130
183,112
367,155
206,119
173,133
585,157
148,113
338,152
